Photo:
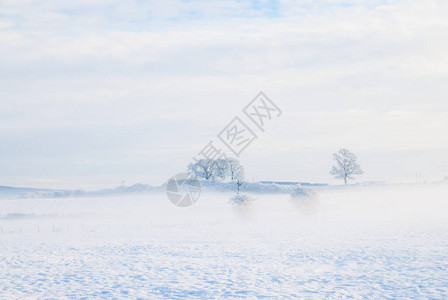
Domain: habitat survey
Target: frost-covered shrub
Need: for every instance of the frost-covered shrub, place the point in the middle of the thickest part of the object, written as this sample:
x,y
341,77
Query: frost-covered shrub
x,y
242,199
301,192
305,200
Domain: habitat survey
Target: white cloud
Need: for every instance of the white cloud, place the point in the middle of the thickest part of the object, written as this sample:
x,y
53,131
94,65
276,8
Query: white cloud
x,y
335,67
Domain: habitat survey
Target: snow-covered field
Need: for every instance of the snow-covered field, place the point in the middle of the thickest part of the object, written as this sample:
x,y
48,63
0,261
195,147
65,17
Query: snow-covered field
x,y
384,242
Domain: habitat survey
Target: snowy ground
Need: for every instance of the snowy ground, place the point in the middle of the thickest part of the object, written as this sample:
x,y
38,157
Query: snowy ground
x,y
387,242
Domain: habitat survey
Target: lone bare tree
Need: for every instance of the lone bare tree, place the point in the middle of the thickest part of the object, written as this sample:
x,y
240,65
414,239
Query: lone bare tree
x,y
346,165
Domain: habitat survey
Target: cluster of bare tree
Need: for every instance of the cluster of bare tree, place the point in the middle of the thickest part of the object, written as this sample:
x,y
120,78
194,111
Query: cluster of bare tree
x,y
222,169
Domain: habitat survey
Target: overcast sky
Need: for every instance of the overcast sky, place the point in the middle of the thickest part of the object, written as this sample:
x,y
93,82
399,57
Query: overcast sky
x,y
95,94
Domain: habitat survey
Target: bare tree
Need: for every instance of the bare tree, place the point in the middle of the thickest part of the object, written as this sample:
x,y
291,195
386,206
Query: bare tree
x,y
221,168
346,165
239,183
236,169
203,168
